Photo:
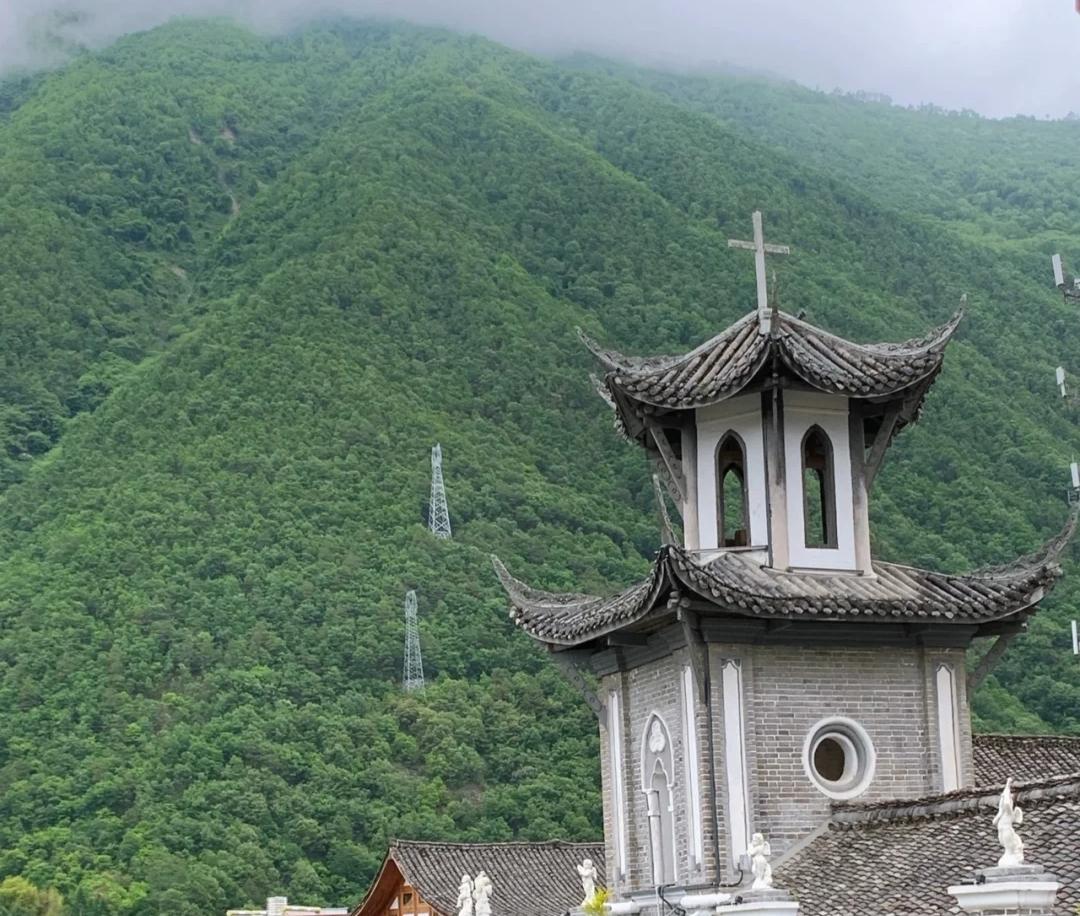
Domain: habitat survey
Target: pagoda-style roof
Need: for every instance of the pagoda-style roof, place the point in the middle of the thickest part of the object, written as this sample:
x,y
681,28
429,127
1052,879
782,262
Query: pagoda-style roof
x,y
727,364
736,584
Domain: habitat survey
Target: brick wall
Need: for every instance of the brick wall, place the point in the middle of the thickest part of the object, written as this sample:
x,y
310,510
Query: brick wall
x,y
890,692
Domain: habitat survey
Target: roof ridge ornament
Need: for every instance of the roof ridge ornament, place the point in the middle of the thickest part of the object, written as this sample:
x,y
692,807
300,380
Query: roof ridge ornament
x,y
760,247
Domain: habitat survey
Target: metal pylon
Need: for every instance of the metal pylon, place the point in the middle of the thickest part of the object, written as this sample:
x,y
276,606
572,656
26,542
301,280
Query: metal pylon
x,y
438,514
412,677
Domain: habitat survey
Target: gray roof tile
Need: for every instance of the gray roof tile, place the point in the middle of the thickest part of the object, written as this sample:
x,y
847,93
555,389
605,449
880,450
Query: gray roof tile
x,y
898,858
738,584
528,879
723,366
997,757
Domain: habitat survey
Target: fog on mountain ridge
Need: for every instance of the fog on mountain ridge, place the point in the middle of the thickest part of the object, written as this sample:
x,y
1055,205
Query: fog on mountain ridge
x,y
999,57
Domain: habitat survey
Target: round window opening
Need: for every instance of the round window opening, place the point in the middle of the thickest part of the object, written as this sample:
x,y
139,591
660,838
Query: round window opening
x,y
839,758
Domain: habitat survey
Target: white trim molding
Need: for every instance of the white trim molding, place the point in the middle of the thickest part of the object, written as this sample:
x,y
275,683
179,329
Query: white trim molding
x,y
618,789
742,416
948,733
658,757
860,758
690,751
803,410
735,758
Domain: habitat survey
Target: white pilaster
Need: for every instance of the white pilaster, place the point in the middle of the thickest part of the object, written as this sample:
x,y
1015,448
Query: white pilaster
x,y
618,788
735,758
948,733
690,747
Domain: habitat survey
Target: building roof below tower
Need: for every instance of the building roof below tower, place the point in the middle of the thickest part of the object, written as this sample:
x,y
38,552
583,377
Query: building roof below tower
x,y
528,879
736,584
900,857
997,757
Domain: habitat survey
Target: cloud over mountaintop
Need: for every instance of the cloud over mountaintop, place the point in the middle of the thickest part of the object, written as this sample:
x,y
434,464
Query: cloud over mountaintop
x,y
999,57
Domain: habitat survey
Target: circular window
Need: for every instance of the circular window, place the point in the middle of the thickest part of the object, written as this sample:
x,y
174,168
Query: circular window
x,y
839,757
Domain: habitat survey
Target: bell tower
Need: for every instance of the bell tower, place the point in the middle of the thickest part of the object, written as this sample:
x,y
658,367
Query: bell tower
x,y
768,666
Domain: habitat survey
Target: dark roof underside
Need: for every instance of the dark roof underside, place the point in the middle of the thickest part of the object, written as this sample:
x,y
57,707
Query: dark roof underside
x,y
900,858
528,879
723,366
738,584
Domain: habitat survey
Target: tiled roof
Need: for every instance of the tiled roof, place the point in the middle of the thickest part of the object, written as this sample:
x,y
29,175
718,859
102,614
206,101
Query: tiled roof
x,y
997,757
528,879
724,365
898,858
738,584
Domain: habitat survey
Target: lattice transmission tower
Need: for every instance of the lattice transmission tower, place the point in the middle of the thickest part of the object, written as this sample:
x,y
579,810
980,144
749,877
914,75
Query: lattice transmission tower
x,y
412,675
438,514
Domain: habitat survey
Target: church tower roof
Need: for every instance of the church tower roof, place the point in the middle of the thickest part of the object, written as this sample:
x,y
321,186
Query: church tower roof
x,y
742,355
735,587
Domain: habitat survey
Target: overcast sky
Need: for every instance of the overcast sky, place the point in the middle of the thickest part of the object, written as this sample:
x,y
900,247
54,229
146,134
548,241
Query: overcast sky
x,y
999,57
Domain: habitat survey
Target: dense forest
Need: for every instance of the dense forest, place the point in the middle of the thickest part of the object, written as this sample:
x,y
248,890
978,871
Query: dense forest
x,y
248,282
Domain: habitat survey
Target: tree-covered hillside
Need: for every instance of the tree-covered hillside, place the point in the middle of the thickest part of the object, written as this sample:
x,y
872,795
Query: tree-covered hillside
x,y
248,282
1016,179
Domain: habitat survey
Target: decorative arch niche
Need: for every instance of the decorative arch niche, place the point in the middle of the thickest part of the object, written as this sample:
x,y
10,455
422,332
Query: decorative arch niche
x,y
658,785
819,489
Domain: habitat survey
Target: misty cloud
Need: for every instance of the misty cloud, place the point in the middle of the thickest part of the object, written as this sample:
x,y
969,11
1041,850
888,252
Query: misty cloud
x,y
999,57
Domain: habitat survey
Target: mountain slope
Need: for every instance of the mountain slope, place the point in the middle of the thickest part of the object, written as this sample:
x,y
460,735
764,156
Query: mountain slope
x,y
1013,179
202,573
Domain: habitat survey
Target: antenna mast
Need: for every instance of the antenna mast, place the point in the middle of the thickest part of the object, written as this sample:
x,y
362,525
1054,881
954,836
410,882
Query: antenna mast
x,y
438,514
412,677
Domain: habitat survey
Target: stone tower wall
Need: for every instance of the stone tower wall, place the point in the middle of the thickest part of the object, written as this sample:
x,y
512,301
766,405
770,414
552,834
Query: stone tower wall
x,y
890,692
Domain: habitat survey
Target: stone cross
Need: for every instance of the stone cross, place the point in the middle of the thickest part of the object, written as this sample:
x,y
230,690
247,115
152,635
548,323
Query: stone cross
x,y
759,246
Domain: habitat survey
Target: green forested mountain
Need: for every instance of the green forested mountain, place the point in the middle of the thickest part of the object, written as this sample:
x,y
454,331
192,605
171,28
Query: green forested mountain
x,y
248,282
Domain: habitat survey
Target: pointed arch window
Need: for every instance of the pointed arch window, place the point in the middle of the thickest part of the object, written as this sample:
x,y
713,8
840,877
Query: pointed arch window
x,y
732,497
819,489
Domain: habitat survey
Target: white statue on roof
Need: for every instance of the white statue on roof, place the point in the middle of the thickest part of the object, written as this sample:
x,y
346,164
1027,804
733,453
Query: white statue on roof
x,y
482,889
464,897
588,874
759,853
1009,817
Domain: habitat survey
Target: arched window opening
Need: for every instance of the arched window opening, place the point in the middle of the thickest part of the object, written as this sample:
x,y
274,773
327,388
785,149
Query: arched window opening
x,y
733,503
819,489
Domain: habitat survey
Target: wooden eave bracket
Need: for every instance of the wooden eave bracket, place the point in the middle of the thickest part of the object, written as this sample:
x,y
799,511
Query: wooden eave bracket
x,y
901,411
695,646
667,532
989,661
573,666
673,464
881,443
669,484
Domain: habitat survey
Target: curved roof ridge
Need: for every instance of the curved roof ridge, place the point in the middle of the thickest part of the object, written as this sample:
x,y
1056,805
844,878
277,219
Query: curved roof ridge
x,y
738,585
514,586
936,337
1046,555
726,363
564,619
614,361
